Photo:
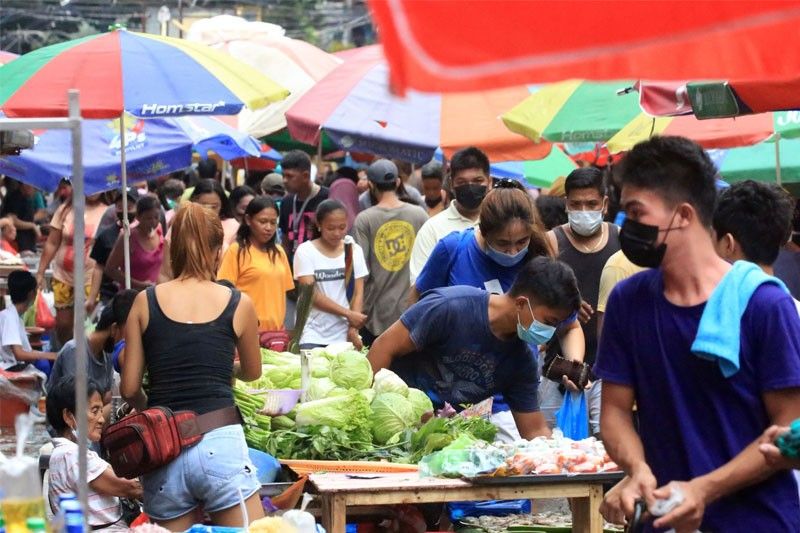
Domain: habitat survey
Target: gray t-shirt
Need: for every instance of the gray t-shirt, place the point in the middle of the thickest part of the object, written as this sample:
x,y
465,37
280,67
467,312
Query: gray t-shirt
x,y
387,238
365,201
101,370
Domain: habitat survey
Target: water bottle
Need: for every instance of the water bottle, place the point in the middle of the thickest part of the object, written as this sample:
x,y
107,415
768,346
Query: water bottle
x,y
73,517
58,519
2,522
36,525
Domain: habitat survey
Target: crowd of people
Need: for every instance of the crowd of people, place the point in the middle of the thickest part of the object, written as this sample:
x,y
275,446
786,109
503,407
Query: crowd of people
x,y
467,287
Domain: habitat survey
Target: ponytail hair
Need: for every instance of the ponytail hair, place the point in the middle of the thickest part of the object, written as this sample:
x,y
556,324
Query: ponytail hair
x,y
196,241
258,204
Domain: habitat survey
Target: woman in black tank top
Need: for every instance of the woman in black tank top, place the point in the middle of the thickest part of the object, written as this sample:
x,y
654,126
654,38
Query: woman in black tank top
x,y
184,333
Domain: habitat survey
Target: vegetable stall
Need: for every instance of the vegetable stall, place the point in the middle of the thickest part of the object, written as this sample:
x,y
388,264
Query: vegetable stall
x,y
359,435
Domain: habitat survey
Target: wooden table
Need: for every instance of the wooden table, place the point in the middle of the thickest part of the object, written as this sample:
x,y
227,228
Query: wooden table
x,y
340,491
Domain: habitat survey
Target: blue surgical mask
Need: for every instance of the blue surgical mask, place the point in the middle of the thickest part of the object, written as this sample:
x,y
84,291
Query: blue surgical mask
x,y
504,259
535,334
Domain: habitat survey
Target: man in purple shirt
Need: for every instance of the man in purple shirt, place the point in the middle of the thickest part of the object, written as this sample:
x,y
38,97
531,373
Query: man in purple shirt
x,y
698,430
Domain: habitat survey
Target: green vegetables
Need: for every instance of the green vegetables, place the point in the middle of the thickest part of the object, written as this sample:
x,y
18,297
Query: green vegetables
x,y
349,412
437,433
420,403
392,414
388,381
351,370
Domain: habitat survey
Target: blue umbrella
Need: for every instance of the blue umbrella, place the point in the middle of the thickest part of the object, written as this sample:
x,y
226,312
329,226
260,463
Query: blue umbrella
x,y
210,133
153,147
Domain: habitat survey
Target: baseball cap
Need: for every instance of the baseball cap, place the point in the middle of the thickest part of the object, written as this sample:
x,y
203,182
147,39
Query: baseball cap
x,y
132,194
382,171
272,183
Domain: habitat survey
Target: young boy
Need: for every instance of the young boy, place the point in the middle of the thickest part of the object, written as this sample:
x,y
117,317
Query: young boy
x,y
15,349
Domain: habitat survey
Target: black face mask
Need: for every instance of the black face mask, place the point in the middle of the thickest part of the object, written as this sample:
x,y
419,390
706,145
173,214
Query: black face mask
x,y
638,243
434,202
470,195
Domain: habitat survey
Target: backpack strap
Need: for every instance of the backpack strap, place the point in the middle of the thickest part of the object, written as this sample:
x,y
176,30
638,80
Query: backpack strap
x,y
349,279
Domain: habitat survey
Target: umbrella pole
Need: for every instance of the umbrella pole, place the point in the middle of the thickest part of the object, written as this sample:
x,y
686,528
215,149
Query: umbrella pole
x,y
778,157
79,309
126,227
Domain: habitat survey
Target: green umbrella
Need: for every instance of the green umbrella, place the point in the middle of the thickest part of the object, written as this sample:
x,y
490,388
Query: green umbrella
x,y
759,162
283,142
539,173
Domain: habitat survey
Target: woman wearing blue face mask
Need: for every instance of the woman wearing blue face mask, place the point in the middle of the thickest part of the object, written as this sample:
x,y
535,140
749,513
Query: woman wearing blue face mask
x,y
489,257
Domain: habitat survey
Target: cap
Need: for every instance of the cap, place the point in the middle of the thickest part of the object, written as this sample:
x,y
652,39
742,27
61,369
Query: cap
x,y
382,171
133,194
272,183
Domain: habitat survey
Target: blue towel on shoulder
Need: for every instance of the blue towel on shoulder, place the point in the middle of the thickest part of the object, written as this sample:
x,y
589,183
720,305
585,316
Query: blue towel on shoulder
x,y
719,332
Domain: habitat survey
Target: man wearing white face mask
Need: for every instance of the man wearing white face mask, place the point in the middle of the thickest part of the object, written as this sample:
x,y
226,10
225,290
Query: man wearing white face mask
x,y
585,243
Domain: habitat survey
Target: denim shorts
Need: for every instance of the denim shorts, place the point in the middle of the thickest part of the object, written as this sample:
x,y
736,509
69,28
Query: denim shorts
x,y
208,473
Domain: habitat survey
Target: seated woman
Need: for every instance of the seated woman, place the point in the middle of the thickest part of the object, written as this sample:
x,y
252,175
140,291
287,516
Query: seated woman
x,y
105,488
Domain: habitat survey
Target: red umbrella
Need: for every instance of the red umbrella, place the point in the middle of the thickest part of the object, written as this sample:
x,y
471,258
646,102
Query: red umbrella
x,y
453,45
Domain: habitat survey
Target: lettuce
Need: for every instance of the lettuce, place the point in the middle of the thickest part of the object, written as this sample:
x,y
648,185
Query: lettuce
x,y
351,370
349,412
420,403
320,388
388,381
392,414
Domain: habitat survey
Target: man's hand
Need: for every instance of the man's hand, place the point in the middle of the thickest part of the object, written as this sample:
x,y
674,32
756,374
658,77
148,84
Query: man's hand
x,y
355,338
585,312
90,306
640,486
40,280
687,516
772,454
611,508
356,320
572,387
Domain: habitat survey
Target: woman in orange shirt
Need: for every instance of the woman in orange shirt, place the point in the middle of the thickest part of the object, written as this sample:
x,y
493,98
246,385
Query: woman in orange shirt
x,y
257,265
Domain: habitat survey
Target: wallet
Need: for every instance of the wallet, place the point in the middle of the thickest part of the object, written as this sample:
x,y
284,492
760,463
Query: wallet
x,y
578,373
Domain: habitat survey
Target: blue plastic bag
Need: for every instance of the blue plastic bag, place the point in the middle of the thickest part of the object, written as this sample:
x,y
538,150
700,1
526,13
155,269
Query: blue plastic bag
x,y
459,510
573,417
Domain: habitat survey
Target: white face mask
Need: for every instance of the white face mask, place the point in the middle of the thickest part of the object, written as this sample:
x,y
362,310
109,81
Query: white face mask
x,y
585,223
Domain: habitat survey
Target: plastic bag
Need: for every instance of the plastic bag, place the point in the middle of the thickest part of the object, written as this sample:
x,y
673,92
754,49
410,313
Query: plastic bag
x,y
44,316
573,417
8,389
463,457
459,510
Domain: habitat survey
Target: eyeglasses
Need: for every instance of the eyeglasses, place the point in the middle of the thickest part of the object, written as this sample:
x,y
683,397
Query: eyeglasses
x,y
508,183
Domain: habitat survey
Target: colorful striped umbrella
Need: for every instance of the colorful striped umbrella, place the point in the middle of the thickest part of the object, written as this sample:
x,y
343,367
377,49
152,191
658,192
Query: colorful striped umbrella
x,y
573,111
354,107
145,75
155,147
539,173
297,64
712,133
6,57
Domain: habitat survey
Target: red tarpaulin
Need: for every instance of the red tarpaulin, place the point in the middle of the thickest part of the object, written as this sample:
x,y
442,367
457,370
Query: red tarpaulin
x,y
470,45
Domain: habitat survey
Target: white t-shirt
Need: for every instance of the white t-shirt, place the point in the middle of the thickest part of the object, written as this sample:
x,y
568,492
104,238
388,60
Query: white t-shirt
x,y
434,230
321,327
64,478
12,333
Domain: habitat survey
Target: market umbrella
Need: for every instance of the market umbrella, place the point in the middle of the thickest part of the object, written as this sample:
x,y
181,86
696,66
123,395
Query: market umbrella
x,y
761,162
6,57
354,107
210,133
714,99
155,147
712,133
573,111
452,45
145,75
539,173
297,64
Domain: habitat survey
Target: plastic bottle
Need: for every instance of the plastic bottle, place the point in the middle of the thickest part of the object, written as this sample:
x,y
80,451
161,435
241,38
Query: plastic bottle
x,y
36,525
2,522
73,517
58,519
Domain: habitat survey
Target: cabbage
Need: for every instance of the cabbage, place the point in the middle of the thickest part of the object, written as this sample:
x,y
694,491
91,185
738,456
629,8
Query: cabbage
x,y
320,367
271,357
319,389
349,412
338,347
283,377
388,381
351,370
369,394
391,415
420,403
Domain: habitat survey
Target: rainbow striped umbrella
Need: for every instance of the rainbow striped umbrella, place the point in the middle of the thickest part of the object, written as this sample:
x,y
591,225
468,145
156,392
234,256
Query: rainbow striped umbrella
x,y
354,107
145,75
7,57
573,111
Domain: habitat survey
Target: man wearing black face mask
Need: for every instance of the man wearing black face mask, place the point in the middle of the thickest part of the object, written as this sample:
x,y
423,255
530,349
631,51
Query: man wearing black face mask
x,y
710,353
103,288
787,266
469,182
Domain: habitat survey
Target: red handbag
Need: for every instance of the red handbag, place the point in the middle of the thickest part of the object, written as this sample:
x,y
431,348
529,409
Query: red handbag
x,y
143,442
277,341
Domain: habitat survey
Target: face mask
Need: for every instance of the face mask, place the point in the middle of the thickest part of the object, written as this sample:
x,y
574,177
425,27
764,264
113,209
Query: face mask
x,y
171,203
504,259
434,202
585,223
535,334
638,243
470,195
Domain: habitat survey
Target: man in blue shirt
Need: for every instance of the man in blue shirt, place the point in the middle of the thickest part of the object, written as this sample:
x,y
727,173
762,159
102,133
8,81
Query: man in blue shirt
x,y
462,345
698,430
